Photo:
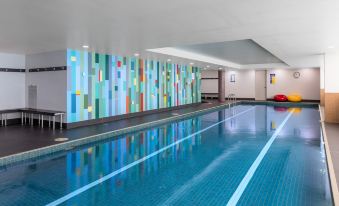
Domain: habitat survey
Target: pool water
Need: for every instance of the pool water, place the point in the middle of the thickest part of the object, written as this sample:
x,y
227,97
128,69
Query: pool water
x,y
243,155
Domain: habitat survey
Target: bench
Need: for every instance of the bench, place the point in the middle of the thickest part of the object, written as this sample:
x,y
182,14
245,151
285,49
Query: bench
x,y
29,113
209,95
3,115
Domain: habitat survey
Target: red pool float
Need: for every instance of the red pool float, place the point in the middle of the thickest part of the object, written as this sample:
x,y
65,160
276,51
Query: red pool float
x,y
280,98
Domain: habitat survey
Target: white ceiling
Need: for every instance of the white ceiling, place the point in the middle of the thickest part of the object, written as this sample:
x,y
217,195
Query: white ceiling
x,y
295,31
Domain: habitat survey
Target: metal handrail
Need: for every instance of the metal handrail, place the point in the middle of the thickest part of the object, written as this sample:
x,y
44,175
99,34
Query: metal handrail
x,y
232,98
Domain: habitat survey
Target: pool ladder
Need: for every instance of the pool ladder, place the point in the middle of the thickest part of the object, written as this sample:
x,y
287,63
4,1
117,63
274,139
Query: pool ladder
x,y
231,98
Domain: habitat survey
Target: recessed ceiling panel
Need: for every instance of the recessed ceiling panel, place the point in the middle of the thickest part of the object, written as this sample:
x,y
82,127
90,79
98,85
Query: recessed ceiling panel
x,y
242,52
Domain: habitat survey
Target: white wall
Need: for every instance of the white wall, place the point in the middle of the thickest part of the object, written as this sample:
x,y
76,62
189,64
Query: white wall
x,y
209,74
51,89
14,61
332,73
307,85
209,85
244,85
322,73
12,90
12,84
51,85
47,59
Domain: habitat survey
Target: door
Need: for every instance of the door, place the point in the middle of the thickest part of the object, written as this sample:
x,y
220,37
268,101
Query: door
x,y
260,85
32,96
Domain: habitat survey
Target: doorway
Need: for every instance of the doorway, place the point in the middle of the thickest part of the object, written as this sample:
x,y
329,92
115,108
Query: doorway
x,y
260,85
32,96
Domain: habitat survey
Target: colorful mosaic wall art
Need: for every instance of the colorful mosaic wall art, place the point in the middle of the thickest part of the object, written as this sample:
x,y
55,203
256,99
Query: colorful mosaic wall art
x,y
101,85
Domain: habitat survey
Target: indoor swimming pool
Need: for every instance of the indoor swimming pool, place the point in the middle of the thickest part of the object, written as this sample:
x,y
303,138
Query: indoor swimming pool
x,y
241,155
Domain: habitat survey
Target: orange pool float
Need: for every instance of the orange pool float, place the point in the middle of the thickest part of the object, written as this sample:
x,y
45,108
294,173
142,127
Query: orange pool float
x,y
294,98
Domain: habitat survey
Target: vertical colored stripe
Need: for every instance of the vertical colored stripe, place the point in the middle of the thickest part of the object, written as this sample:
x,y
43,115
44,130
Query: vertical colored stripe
x,y
108,85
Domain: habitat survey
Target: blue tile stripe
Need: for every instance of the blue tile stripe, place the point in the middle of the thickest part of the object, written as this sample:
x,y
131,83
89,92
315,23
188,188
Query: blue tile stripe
x,y
107,177
243,184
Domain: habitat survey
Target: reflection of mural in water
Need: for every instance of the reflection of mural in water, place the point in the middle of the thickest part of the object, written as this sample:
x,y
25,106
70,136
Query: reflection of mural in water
x,y
273,125
83,165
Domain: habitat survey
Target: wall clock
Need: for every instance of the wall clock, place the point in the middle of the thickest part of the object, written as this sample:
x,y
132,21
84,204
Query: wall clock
x,y
296,75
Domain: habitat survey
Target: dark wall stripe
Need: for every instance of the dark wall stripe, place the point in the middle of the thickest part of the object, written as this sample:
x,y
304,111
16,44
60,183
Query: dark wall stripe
x,y
209,78
48,69
11,70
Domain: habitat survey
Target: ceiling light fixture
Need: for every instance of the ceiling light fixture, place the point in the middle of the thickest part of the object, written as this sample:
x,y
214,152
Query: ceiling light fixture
x,y
208,66
85,46
220,68
136,54
330,47
191,63
169,60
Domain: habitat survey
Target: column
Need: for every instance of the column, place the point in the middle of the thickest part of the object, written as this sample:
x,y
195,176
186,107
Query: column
x,y
221,86
331,87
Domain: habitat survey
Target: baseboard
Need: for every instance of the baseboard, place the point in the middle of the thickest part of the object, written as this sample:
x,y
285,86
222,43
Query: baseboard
x,y
248,99
304,100
214,97
227,98
125,116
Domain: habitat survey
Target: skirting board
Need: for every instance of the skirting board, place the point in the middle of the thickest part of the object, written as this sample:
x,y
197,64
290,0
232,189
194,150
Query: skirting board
x,y
304,100
226,98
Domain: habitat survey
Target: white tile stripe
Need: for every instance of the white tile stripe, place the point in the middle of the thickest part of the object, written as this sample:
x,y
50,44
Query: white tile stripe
x,y
243,184
106,177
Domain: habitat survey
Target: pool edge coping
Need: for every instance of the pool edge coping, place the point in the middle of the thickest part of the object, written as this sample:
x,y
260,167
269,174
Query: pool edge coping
x,y
331,173
13,159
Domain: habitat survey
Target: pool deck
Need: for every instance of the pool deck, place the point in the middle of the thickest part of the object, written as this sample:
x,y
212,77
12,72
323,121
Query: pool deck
x,y
331,141
18,139
332,131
